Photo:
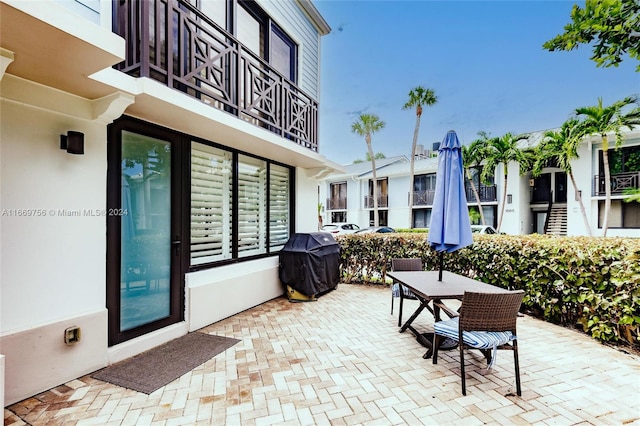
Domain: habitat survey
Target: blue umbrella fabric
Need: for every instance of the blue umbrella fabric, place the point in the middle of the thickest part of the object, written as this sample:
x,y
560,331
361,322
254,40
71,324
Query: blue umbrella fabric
x,y
450,228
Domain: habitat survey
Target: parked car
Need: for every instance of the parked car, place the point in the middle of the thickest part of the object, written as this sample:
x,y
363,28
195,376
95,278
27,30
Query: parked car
x,y
483,229
376,229
340,228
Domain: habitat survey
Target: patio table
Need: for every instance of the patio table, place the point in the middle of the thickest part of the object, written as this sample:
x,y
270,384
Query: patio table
x,y
427,288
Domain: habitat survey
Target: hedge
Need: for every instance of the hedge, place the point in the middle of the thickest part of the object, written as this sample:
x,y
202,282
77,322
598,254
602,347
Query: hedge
x,y
592,283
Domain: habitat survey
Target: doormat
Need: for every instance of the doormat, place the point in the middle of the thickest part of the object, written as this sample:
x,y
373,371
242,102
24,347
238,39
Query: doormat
x,y
150,370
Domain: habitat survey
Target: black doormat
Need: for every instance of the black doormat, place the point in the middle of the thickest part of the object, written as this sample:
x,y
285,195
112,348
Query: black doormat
x,y
446,344
151,370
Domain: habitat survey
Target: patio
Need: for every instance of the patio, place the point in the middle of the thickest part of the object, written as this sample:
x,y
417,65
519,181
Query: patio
x,y
341,360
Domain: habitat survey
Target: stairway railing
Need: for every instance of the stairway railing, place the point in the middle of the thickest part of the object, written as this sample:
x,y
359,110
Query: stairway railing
x,y
546,219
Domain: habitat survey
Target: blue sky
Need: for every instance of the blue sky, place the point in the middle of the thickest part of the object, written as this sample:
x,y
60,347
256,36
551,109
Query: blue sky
x,y
483,59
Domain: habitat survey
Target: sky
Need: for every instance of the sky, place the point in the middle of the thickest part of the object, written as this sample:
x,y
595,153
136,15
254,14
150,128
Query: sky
x,y
483,59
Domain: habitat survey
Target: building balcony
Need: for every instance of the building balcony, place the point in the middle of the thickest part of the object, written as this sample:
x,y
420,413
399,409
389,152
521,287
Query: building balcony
x,y
174,43
423,198
336,204
383,201
487,194
620,182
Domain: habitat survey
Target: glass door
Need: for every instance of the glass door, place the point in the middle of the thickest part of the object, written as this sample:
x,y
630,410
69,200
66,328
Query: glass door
x,y
144,282
561,187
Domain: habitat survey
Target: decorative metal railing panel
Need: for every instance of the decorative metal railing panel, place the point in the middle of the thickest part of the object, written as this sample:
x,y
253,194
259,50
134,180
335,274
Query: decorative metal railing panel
x,y
423,198
383,201
487,193
620,182
172,42
336,203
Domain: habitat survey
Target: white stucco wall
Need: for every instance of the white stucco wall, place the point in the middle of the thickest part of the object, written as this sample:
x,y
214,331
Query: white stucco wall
x,y
52,228
584,168
53,240
399,202
307,200
213,293
355,201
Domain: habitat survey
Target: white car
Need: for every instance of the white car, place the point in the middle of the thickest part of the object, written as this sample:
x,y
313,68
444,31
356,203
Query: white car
x,y
340,228
483,229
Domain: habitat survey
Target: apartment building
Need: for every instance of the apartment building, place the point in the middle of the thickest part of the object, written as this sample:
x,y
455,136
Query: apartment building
x,y
544,204
155,157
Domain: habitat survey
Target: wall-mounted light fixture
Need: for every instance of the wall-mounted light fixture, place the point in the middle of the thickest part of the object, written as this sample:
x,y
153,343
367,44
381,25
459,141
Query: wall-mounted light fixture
x,y
73,142
509,198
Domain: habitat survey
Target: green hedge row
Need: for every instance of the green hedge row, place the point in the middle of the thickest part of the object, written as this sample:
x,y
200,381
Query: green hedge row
x,y
589,282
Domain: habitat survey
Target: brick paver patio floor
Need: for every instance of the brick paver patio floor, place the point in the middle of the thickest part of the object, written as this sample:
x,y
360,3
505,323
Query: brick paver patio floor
x,y
341,361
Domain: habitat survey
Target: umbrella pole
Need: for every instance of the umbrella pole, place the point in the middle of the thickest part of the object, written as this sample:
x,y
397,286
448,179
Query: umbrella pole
x,y
440,266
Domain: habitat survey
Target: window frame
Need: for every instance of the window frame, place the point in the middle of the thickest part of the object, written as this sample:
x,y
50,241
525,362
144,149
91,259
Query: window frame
x,y
617,205
268,28
235,258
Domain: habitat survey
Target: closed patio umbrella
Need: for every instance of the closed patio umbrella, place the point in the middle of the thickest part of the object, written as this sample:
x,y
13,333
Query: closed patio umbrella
x,y
450,228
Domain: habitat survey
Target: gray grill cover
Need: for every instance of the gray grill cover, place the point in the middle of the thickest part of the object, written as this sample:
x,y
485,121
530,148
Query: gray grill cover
x,y
310,263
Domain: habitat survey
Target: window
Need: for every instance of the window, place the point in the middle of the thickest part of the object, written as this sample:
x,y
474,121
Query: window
x,y
338,200
621,215
279,196
252,206
282,53
255,205
424,189
338,217
623,160
211,200
421,218
250,29
424,182
383,217
381,188
264,38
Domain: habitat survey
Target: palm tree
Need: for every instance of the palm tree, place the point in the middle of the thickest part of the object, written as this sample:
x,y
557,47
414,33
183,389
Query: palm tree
x,y
632,196
504,150
365,125
561,148
418,97
472,156
601,120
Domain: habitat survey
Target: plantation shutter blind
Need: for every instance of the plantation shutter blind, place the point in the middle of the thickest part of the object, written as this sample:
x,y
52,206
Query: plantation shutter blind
x,y
278,206
252,206
211,198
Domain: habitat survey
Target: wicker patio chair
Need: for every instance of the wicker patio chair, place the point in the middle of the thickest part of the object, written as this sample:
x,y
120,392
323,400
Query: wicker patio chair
x,y
397,289
487,322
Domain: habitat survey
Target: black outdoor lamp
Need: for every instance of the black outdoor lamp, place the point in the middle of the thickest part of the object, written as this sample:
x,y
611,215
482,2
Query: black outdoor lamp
x,y
73,142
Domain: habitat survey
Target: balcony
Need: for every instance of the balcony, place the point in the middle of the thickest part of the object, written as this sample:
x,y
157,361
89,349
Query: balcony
x,y
383,201
174,43
423,198
336,204
487,193
620,182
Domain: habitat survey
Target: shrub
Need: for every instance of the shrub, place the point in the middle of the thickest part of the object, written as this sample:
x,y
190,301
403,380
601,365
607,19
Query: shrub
x,y
593,283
